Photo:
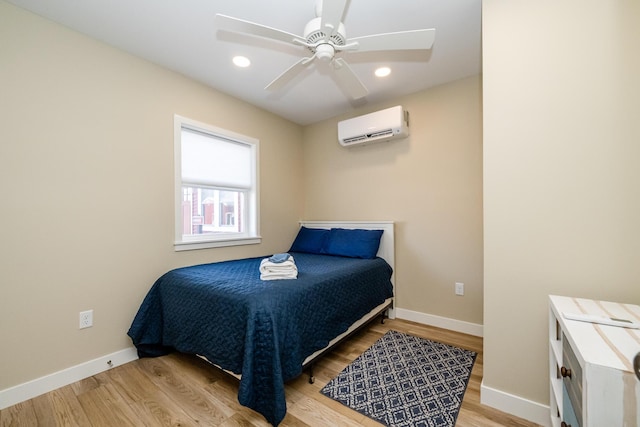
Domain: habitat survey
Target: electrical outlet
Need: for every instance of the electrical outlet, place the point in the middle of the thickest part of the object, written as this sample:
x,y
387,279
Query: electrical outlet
x,y
459,288
86,319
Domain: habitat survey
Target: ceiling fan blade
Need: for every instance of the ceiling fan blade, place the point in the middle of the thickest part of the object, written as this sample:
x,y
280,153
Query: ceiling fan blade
x,y
289,74
241,26
348,79
403,40
332,11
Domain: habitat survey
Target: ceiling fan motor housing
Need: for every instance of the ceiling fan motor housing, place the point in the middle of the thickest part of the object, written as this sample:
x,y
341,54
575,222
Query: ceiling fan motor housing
x,y
314,34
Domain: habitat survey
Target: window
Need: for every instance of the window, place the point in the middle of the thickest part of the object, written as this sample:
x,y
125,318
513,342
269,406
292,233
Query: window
x,y
216,187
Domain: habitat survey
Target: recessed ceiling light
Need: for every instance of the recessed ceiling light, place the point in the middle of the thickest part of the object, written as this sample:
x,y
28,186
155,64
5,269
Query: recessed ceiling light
x,y
241,61
383,71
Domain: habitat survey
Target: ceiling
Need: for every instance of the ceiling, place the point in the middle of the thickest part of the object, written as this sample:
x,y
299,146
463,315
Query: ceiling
x,y
182,36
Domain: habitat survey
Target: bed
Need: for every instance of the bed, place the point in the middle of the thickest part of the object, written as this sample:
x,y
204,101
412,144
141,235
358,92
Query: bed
x,y
267,332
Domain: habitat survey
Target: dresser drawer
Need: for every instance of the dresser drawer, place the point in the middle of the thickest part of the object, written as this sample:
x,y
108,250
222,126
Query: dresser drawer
x,y
572,378
569,417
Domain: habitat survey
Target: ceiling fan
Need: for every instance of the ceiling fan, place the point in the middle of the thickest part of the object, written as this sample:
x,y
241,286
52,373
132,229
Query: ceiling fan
x,y
325,37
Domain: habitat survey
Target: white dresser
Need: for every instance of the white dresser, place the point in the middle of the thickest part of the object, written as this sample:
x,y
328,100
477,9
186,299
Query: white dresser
x,y
593,383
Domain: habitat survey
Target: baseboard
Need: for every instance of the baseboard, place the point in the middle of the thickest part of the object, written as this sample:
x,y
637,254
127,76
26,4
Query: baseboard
x,y
515,405
440,322
34,388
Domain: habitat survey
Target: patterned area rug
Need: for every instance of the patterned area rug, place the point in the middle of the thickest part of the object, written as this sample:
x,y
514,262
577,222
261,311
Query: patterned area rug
x,y
403,380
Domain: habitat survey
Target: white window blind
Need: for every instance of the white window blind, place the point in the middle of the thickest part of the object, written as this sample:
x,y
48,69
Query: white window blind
x,y
214,161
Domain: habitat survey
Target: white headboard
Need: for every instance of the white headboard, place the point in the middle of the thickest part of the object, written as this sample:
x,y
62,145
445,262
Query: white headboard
x,y
386,250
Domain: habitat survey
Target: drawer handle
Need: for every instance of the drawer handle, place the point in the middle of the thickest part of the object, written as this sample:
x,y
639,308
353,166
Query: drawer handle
x,y
636,365
565,373
563,424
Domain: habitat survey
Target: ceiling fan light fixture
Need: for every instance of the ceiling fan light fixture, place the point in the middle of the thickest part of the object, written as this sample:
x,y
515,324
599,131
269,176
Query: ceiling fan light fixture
x,y
325,52
241,61
383,72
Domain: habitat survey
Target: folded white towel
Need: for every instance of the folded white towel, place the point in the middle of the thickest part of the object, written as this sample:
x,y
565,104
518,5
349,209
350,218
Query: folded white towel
x,y
279,276
268,266
277,271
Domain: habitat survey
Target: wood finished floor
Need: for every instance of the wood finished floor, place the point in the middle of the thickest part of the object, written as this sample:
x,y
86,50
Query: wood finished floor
x,y
183,390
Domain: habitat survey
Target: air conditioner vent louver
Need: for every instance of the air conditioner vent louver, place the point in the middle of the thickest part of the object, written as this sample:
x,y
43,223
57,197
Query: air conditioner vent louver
x,y
380,126
386,132
368,136
355,139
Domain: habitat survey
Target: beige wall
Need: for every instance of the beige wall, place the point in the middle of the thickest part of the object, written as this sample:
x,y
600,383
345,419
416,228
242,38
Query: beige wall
x,y
429,183
561,172
86,184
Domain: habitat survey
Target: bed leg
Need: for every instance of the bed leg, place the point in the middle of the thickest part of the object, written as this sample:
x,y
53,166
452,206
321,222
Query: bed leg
x,y
382,317
312,379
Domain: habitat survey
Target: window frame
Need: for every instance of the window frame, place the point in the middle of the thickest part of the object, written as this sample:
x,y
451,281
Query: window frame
x,y
251,235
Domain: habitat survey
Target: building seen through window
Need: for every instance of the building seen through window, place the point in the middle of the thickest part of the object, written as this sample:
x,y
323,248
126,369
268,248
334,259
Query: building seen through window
x,y
206,210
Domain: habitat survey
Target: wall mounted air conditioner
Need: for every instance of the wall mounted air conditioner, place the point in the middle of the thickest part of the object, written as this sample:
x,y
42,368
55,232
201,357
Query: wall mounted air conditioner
x,y
383,125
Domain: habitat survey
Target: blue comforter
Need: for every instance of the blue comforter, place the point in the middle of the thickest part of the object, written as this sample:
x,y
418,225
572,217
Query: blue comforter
x,y
261,329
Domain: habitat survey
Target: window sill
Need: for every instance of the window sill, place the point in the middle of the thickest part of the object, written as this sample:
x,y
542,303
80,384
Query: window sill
x,y
206,244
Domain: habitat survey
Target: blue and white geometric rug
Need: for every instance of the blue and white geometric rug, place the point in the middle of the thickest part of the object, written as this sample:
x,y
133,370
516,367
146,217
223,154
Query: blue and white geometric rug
x,y
403,380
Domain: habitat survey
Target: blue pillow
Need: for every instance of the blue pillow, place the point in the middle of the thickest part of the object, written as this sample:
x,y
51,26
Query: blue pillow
x,y
353,243
310,240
